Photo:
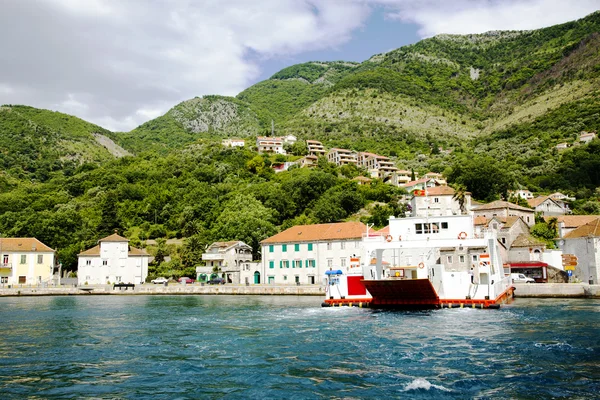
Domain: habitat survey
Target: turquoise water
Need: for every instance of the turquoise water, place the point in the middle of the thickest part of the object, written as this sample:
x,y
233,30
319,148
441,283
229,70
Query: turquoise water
x,y
236,347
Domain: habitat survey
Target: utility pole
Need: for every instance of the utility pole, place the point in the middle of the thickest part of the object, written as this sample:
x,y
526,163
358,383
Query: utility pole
x,y
272,128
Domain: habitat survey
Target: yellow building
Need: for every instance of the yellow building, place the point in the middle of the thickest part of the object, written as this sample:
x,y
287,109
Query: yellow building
x,y
25,261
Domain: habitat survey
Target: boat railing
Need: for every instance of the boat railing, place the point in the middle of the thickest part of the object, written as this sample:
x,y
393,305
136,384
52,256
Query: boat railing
x,y
501,285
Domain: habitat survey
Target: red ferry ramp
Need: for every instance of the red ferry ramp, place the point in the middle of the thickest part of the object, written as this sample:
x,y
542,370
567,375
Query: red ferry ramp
x,y
402,293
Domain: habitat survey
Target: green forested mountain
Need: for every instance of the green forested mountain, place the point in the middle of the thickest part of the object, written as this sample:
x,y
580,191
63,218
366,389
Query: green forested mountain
x,y
486,110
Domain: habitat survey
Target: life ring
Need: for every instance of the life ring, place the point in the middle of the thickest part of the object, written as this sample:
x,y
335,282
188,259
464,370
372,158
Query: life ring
x,y
397,274
421,265
400,238
462,235
388,238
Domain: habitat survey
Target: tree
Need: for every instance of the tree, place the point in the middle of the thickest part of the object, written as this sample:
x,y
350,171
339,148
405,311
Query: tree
x,y
460,195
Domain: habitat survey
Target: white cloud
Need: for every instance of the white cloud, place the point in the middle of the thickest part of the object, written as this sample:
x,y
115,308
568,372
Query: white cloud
x,y
478,16
119,63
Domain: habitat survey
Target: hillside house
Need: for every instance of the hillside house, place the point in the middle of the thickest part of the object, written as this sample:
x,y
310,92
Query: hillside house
x,y
308,161
289,139
568,223
315,148
270,145
522,193
439,178
505,209
25,261
302,253
562,146
587,137
227,260
341,157
114,261
233,142
362,180
378,166
546,205
419,184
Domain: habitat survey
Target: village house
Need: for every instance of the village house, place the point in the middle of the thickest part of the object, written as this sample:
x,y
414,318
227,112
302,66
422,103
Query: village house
x,y
302,253
562,146
308,161
25,261
419,184
401,177
505,209
378,166
438,201
289,139
587,137
439,178
568,223
584,243
233,142
362,180
546,205
114,261
270,145
341,157
226,260
315,148
522,193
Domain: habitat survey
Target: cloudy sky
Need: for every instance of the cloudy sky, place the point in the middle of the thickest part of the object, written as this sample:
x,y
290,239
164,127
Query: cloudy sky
x,y
119,63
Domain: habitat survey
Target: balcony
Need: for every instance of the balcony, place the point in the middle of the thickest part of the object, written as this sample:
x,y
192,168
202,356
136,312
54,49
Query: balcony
x,y
5,266
213,256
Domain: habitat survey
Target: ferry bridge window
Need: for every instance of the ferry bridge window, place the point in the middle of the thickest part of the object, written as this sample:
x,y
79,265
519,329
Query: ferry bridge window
x,y
426,228
418,229
444,225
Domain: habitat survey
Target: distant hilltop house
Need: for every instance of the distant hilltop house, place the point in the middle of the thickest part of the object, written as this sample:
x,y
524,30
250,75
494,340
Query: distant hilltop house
x,y
505,209
378,166
402,177
341,157
308,161
282,166
289,139
270,145
362,180
315,148
522,193
231,261
302,253
562,146
587,137
25,261
233,142
439,178
419,184
112,260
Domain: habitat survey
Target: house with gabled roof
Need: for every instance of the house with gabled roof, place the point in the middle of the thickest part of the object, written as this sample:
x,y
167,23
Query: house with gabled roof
x,y
546,205
419,184
500,208
584,243
25,261
587,137
226,260
568,223
302,253
112,260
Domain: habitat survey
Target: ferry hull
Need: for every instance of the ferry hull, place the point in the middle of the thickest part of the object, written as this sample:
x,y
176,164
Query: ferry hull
x,y
413,294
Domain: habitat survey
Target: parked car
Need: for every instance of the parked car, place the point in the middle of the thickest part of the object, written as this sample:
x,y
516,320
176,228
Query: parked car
x,y
521,278
160,280
216,281
185,279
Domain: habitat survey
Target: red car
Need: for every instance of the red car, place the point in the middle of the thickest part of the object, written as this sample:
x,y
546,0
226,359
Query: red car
x,y
185,279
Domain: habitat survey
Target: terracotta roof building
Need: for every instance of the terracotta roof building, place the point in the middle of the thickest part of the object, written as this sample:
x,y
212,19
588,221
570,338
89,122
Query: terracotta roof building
x,y
505,209
584,243
25,261
302,253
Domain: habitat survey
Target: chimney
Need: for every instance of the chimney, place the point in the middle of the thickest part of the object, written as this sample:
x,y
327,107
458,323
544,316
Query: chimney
x,y
561,229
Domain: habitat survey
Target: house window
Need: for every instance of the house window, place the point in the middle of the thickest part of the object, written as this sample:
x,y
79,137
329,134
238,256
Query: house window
x,y
5,259
40,259
298,263
286,263
87,278
22,279
475,257
285,277
284,247
104,262
310,247
342,262
3,279
436,200
271,248
449,259
330,262
23,258
494,226
271,279
329,246
271,264
88,262
118,278
503,240
296,247
342,245
461,259
311,263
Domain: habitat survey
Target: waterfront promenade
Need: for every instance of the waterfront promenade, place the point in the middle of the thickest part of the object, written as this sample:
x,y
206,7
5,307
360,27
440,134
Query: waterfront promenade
x,y
540,290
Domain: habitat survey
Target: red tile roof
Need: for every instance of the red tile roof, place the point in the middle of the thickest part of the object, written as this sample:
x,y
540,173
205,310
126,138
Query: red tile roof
x,y
574,221
318,232
498,204
587,230
24,245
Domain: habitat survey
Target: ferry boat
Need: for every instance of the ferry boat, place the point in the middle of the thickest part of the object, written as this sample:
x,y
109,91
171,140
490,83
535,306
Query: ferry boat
x,y
423,263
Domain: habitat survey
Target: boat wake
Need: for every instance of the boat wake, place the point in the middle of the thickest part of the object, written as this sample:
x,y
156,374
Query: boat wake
x,y
421,383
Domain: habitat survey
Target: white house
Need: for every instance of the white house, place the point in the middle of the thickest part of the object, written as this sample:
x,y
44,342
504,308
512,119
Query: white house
x,y
584,242
114,261
270,145
302,253
342,157
315,148
289,139
522,193
438,200
233,142
227,260
25,261
587,137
